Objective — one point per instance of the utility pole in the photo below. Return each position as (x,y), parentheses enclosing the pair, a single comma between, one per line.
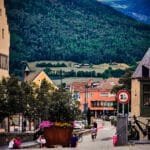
(61,78)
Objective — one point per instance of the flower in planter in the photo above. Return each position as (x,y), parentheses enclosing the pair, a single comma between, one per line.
(63,124)
(44,124)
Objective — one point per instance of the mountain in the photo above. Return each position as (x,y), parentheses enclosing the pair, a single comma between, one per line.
(79,30)
(138,9)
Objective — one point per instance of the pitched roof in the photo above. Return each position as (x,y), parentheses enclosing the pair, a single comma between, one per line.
(108,84)
(145,62)
(32,75)
(101,85)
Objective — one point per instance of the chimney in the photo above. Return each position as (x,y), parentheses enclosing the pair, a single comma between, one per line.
(26,71)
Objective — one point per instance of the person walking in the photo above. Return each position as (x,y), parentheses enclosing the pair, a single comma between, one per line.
(93,133)
(11,143)
(74,140)
(17,143)
(42,141)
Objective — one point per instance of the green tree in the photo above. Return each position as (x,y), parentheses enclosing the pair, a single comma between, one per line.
(3,100)
(124,81)
(43,99)
(62,108)
(13,95)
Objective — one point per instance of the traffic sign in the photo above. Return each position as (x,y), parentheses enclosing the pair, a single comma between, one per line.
(123,96)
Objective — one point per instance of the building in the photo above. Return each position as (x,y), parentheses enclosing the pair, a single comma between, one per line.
(37,77)
(140,104)
(96,96)
(4,42)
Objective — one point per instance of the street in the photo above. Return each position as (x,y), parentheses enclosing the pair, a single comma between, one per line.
(104,140)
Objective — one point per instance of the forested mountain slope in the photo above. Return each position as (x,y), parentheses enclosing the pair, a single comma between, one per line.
(77,30)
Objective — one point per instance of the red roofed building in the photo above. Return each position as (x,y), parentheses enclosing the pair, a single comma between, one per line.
(96,96)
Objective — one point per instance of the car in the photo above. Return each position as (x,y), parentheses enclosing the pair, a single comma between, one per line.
(105,117)
(78,125)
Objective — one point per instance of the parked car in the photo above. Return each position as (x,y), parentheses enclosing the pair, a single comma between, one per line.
(78,125)
(105,117)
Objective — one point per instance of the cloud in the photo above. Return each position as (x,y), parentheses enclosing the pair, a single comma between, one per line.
(119,6)
(140,16)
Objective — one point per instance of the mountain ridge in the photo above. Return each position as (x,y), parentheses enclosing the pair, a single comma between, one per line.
(81,31)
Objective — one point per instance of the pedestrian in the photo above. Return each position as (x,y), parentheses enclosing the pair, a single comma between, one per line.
(95,126)
(93,132)
(11,143)
(17,143)
(42,141)
(74,140)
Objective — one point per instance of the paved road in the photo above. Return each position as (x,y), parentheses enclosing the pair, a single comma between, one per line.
(104,141)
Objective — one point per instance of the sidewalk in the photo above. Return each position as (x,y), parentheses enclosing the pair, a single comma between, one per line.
(24,145)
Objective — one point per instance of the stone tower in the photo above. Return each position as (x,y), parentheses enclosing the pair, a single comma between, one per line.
(4,42)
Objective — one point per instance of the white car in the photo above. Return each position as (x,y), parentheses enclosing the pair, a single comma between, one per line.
(78,125)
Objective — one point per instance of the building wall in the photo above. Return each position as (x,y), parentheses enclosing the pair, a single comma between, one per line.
(41,77)
(96,95)
(4,42)
(135,97)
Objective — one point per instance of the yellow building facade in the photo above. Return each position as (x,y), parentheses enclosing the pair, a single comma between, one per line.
(37,78)
(4,42)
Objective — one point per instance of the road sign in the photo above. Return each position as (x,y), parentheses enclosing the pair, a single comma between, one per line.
(123,96)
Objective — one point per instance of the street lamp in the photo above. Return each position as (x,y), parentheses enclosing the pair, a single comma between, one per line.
(85,101)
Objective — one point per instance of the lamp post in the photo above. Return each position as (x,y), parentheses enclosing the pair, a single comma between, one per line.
(85,101)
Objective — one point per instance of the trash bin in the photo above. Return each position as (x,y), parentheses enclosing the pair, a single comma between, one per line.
(115,140)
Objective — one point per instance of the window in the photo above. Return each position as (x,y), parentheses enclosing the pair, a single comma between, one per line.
(146,95)
(0,12)
(3,62)
(2,33)
(104,94)
(94,104)
(102,104)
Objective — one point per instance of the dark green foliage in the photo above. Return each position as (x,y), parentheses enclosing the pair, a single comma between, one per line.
(112,73)
(36,103)
(51,65)
(43,99)
(29,104)
(77,30)
(106,74)
(125,81)
(62,108)
(3,100)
